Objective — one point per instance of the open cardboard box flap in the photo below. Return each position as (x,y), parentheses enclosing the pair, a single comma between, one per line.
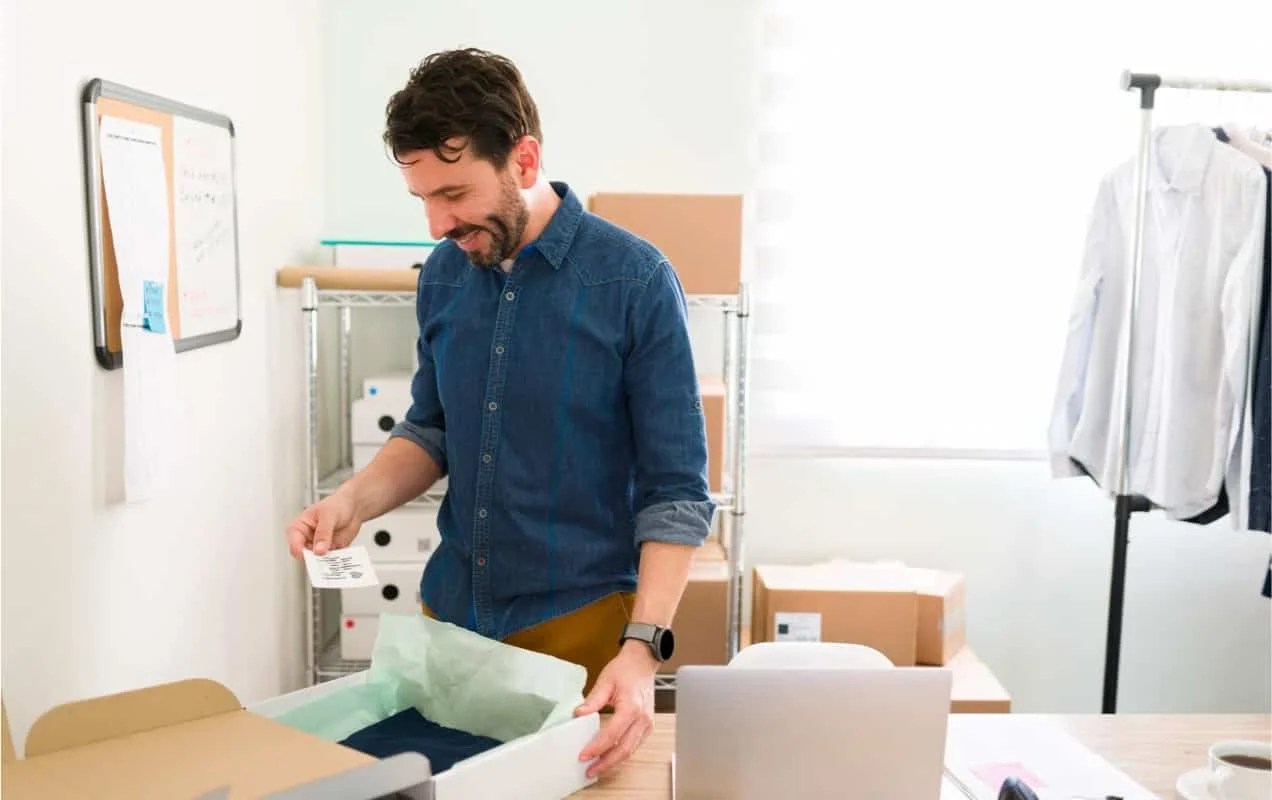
(175,740)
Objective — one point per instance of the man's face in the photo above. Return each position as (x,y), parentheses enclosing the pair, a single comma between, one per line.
(471,201)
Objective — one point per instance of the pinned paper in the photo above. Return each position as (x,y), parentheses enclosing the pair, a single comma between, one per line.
(137,201)
(345,568)
(153,300)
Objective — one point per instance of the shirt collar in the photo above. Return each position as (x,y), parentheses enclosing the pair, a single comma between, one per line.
(1182,154)
(558,234)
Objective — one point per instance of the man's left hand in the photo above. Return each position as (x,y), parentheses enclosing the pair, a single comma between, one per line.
(626,684)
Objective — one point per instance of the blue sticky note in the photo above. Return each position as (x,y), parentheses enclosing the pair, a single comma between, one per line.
(152,306)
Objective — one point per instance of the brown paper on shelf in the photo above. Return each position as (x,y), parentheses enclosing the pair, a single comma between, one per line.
(351,278)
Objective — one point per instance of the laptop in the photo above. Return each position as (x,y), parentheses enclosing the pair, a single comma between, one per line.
(752,732)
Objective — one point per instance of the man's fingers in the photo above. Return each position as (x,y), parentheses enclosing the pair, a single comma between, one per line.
(608,736)
(299,532)
(595,701)
(625,746)
(322,535)
(295,541)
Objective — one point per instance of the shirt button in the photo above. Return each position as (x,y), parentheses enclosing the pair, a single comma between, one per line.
(510,296)
(486,458)
(481,562)
(481,512)
(499,349)
(492,406)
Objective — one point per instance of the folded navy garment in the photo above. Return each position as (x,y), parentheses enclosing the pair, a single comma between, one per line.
(410,731)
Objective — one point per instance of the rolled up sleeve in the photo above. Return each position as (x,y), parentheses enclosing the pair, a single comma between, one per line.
(672,500)
(425,422)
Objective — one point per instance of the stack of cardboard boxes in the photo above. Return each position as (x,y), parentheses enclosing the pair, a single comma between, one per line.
(701,236)
(914,616)
(701,635)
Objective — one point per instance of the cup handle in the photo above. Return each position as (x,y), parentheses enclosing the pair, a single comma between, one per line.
(1213,779)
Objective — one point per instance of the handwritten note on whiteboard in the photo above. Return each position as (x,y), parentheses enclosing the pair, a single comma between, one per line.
(134,178)
(204,216)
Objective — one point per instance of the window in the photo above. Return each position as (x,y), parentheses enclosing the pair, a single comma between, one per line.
(924,172)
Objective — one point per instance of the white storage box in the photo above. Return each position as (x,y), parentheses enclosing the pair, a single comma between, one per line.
(373,418)
(357,636)
(398,592)
(404,534)
(363,454)
(395,387)
(539,758)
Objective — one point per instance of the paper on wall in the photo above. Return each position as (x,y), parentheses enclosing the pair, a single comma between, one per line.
(135,182)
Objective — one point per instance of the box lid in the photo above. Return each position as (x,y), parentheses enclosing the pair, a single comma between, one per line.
(935,582)
(837,577)
(180,739)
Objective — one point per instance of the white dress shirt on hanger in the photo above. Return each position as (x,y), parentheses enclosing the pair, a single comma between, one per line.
(1198,290)
(1253,142)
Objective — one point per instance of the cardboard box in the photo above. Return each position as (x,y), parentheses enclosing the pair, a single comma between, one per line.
(701,234)
(193,738)
(864,604)
(181,739)
(714,409)
(942,628)
(711,550)
(976,690)
(702,616)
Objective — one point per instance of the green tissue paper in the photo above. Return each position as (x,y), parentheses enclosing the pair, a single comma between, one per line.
(452,676)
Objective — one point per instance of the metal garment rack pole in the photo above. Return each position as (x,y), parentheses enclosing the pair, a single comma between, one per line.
(1126,503)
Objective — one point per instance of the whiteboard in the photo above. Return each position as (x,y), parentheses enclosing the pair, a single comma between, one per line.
(202,292)
(203,219)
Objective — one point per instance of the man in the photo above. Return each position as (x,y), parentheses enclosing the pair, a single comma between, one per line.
(556,389)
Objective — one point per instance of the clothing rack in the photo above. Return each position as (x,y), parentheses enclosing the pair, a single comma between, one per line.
(1127,504)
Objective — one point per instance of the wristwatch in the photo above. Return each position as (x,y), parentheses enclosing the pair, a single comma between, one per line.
(661,641)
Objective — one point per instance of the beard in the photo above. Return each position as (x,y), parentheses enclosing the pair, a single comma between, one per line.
(505,226)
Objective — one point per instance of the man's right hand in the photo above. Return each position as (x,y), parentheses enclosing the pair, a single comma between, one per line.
(327,525)
(400,471)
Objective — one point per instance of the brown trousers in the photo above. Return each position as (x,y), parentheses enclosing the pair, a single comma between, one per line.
(587,637)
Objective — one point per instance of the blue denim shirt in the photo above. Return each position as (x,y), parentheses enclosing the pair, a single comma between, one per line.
(561,401)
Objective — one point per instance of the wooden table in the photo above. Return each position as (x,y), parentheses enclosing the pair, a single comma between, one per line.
(1153,749)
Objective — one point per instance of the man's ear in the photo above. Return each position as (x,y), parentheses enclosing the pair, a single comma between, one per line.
(527,159)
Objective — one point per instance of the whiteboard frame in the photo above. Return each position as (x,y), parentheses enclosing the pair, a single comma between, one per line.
(94,90)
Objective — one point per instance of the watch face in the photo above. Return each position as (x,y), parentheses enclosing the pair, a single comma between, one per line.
(666,644)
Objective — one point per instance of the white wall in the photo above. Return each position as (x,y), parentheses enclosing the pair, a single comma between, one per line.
(98,596)
(657,96)
(618,110)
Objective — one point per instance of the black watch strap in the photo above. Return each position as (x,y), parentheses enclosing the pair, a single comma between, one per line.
(660,641)
(644,631)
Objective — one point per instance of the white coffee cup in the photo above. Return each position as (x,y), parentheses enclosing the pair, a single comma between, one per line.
(1233,781)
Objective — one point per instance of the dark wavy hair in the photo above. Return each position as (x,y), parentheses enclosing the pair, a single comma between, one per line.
(470,94)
